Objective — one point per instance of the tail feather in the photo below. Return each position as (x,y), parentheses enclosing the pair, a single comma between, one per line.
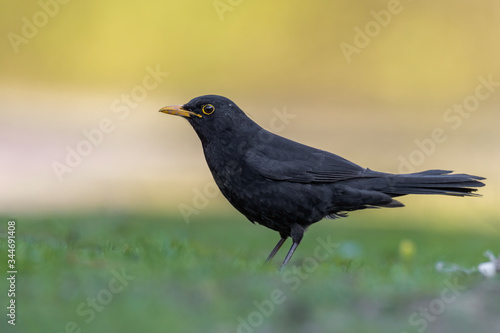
(434,182)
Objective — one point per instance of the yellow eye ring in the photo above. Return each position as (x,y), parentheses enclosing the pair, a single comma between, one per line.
(208,109)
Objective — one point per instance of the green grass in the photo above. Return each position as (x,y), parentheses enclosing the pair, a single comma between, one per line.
(208,276)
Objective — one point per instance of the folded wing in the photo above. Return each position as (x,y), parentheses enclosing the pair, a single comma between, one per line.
(286,160)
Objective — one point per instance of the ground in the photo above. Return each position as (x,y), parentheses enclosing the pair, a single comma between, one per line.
(118,272)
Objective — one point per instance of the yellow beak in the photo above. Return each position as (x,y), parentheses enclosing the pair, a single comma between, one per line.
(178,110)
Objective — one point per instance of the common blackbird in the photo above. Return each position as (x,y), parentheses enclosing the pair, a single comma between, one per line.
(287,186)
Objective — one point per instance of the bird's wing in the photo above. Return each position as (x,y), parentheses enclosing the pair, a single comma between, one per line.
(287,160)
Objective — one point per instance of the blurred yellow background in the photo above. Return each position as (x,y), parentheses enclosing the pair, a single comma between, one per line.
(370,81)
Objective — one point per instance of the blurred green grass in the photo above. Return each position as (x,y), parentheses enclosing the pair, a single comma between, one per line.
(208,276)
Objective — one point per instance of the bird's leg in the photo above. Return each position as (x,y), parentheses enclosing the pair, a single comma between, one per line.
(297,232)
(276,248)
(289,254)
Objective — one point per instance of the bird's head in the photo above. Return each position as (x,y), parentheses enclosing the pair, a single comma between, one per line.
(211,116)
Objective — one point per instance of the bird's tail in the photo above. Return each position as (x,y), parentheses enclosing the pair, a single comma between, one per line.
(433,182)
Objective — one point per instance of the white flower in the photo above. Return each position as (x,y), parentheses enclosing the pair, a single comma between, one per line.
(488,269)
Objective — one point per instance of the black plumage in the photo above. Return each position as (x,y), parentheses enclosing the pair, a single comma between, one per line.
(287,186)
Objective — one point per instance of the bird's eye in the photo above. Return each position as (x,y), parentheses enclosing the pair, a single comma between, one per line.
(208,109)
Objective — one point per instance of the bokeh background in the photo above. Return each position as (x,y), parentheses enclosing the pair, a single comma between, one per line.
(369,80)
(66,67)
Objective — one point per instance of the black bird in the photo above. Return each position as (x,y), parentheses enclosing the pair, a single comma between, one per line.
(287,186)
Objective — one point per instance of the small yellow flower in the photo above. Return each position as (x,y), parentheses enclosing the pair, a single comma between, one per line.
(407,249)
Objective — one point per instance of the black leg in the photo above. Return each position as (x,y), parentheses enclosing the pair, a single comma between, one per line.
(276,248)
(289,254)
(297,232)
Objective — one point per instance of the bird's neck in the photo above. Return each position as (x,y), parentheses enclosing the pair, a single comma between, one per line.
(224,151)
(229,137)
